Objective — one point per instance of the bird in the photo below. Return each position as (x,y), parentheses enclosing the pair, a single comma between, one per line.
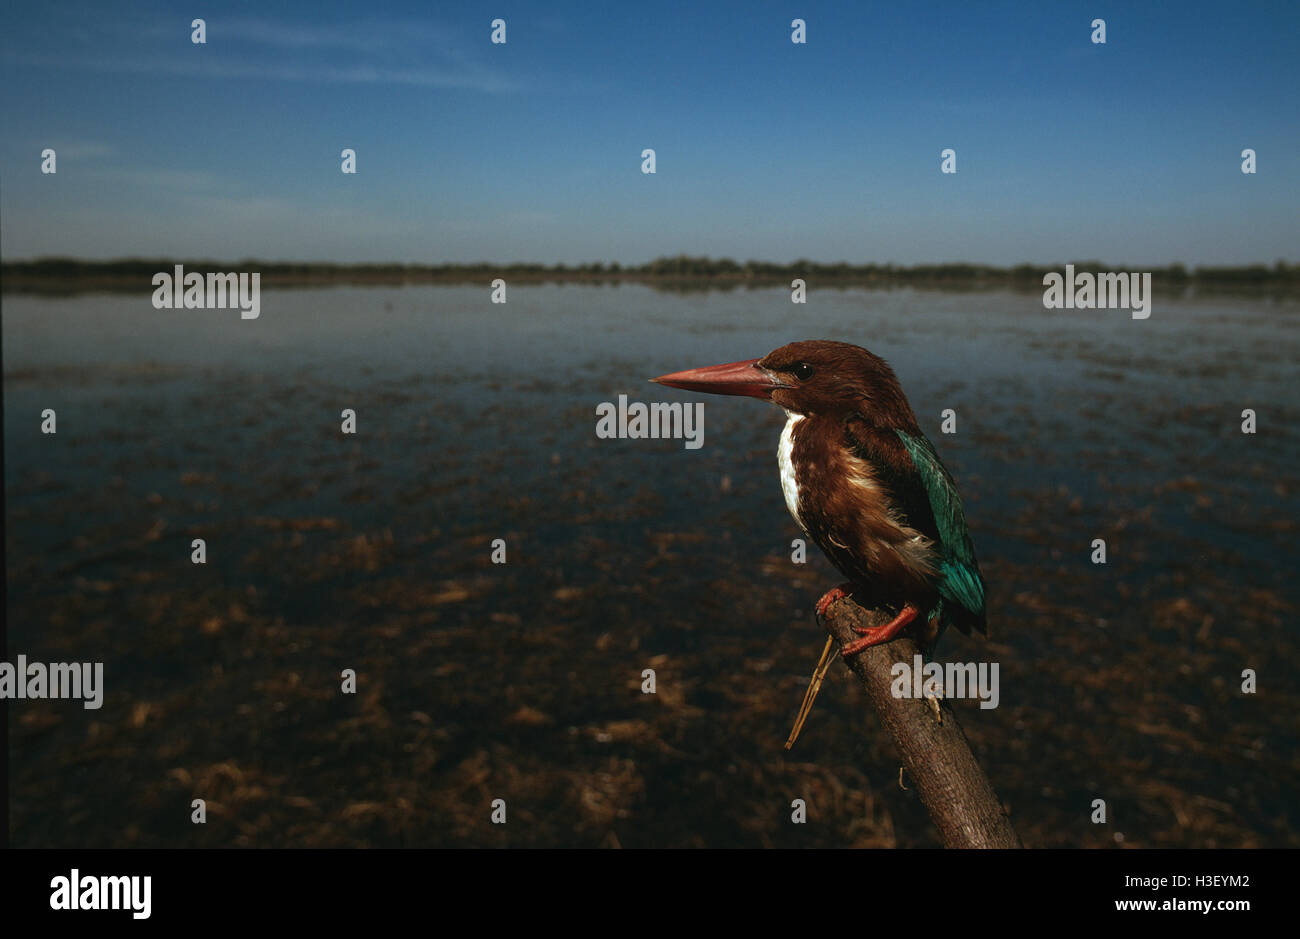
(865,483)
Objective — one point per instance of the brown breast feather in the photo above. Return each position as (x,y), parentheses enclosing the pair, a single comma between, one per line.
(851,516)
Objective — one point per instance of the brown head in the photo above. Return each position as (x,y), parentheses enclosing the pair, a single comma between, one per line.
(812,377)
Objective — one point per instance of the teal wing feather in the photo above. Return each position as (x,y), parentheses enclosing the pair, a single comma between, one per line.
(959,579)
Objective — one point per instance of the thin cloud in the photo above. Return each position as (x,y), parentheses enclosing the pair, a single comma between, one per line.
(369,37)
(163,178)
(85,150)
(471,79)
(359,37)
(405,53)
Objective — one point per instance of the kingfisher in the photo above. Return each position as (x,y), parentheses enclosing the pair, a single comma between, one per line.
(864,482)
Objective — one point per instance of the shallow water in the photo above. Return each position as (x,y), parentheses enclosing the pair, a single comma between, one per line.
(476,421)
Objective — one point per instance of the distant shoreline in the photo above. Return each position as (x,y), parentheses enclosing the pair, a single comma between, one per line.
(71,276)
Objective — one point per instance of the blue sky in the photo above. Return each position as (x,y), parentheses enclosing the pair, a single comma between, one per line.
(1127,152)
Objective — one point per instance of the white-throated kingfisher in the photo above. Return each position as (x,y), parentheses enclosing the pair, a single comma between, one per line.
(863,481)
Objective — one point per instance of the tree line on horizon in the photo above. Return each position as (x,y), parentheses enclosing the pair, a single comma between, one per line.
(52,271)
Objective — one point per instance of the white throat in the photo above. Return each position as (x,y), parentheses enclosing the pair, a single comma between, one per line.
(785,459)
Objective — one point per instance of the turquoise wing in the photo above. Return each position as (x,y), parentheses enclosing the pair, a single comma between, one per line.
(959,578)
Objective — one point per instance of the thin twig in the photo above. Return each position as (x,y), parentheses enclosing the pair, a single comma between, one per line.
(814,686)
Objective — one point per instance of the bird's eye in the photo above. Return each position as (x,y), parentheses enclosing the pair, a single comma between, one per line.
(802,371)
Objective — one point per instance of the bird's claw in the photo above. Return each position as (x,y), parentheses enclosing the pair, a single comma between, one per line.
(875,635)
(830,596)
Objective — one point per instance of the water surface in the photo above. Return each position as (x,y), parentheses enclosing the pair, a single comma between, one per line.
(521,681)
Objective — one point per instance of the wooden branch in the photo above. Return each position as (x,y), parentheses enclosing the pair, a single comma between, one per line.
(936,756)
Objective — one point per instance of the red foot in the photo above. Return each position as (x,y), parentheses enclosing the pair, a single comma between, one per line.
(878,634)
(830,596)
